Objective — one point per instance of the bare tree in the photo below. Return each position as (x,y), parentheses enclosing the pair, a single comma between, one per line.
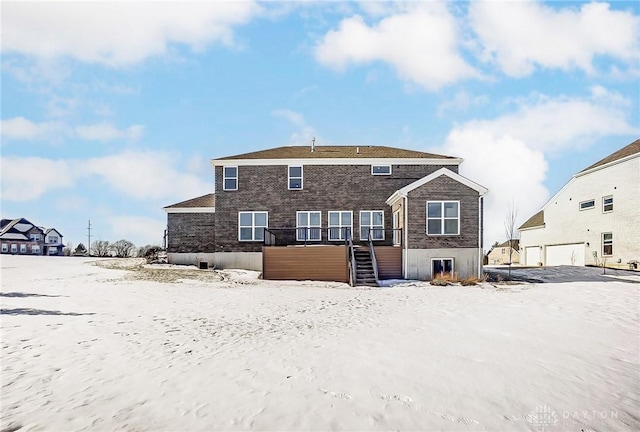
(511,231)
(122,248)
(68,249)
(101,248)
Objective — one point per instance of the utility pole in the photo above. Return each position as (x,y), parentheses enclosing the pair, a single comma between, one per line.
(89,238)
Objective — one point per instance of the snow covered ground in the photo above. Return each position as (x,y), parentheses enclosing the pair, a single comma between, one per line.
(86,347)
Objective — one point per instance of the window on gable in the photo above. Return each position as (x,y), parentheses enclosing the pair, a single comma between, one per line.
(372,223)
(251,225)
(607,244)
(230,178)
(443,218)
(340,225)
(381,169)
(308,225)
(35,237)
(586,205)
(607,204)
(295,177)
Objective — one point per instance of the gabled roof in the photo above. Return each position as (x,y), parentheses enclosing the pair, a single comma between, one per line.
(631,149)
(426,179)
(537,220)
(16,225)
(515,244)
(333,152)
(202,204)
(53,229)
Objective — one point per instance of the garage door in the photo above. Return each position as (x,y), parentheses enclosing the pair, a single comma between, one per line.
(569,254)
(532,255)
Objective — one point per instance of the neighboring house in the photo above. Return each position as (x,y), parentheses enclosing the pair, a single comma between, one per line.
(412,208)
(21,237)
(505,253)
(593,219)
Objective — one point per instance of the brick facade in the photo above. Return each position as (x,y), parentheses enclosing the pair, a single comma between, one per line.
(191,232)
(443,188)
(326,188)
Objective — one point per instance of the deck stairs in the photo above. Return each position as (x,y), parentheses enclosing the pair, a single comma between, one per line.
(365,275)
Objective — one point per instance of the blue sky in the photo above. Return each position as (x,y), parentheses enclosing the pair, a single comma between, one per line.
(111,111)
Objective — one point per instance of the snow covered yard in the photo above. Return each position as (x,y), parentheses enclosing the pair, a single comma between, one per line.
(86,347)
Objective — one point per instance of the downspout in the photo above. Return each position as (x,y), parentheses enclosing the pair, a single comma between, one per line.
(405,234)
(480,231)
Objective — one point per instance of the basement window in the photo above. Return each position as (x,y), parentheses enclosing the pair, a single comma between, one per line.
(441,267)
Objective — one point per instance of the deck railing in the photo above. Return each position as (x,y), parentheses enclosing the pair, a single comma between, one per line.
(305,236)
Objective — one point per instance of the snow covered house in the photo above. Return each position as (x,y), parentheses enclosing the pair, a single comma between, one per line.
(593,220)
(21,237)
(505,253)
(369,212)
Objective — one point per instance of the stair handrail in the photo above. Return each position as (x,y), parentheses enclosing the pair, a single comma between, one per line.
(353,264)
(374,261)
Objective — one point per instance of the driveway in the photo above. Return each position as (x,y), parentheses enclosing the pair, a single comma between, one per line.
(562,274)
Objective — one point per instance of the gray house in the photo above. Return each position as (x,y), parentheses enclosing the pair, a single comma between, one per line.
(319,212)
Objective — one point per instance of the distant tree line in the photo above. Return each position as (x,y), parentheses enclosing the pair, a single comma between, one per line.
(119,249)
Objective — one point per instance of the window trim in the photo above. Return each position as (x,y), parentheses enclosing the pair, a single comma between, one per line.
(23,248)
(442,218)
(329,226)
(592,206)
(14,248)
(453,265)
(225,178)
(5,247)
(301,177)
(35,249)
(609,243)
(371,225)
(253,225)
(319,227)
(604,198)
(381,173)
(34,237)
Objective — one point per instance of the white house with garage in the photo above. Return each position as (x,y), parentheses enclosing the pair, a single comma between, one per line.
(593,220)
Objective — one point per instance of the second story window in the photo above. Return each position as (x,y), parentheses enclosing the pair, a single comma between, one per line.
(381,169)
(443,217)
(607,204)
(295,177)
(585,205)
(35,237)
(230,178)
(53,239)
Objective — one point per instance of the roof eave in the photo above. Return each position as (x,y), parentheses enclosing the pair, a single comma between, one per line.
(336,161)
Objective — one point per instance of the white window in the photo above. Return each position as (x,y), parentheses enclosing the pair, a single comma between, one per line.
(397,240)
(381,169)
(372,223)
(14,248)
(443,217)
(607,204)
(53,251)
(295,177)
(53,239)
(340,225)
(308,225)
(35,249)
(5,247)
(251,225)
(23,248)
(586,205)
(230,178)
(607,244)
(441,266)
(34,237)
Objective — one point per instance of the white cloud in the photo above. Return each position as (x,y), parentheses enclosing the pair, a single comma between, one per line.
(555,124)
(304,133)
(520,36)
(493,161)
(461,101)
(146,175)
(117,33)
(105,132)
(20,128)
(137,229)
(419,42)
(28,178)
